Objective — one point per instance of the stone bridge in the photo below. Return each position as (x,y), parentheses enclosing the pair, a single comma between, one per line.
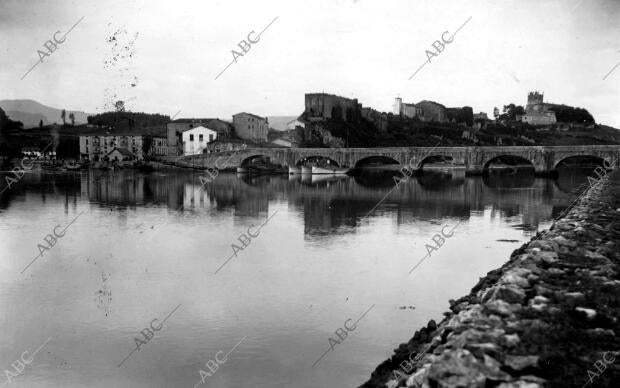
(544,159)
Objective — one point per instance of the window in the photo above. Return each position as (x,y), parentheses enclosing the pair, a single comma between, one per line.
(86,141)
(210,137)
(191,137)
(200,137)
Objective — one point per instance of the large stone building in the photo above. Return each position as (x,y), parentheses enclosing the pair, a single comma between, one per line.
(424,110)
(98,147)
(323,106)
(432,111)
(538,112)
(251,127)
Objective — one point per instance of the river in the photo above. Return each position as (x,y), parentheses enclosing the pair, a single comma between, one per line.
(332,259)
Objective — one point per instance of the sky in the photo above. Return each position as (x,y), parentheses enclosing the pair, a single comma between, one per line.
(162,57)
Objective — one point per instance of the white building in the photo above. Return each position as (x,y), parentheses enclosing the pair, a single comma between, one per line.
(195,140)
(406,110)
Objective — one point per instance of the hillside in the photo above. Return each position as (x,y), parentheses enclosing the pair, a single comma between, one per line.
(411,133)
(30,112)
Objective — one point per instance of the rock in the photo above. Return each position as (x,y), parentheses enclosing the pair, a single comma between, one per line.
(541,290)
(482,349)
(563,241)
(513,278)
(458,368)
(590,314)
(470,313)
(519,384)
(556,271)
(575,296)
(548,257)
(417,379)
(510,294)
(511,340)
(519,363)
(391,384)
(600,332)
(539,303)
(539,299)
(533,379)
(595,255)
(502,308)
(545,245)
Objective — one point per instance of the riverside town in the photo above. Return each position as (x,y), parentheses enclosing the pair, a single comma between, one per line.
(325,194)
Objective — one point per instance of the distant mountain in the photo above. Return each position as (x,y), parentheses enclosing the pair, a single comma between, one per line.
(279,122)
(31,112)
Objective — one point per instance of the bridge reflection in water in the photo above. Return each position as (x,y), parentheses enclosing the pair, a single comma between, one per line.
(328,203)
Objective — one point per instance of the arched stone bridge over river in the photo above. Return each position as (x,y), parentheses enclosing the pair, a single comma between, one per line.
(544,159)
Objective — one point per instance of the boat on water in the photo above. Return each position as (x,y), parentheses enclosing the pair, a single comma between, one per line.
(306,170)
(294,170)
(242,170)
(329,170)
(72,167)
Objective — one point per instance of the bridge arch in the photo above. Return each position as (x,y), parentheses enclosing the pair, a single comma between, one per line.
(246,160)
(382,160)
(508,159)
(435,158)
(601,161)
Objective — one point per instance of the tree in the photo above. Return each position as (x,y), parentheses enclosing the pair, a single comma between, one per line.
(63,116)
(119,106)
(40,123)
(147,143)
(72,118)
(495,113)
(511,110)
(569,114)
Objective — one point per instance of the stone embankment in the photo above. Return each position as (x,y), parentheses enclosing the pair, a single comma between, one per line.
(549,317)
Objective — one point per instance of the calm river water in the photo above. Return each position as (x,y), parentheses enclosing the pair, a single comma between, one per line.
(146,247)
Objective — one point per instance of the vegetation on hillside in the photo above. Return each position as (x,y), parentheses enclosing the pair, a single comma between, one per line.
(129,120)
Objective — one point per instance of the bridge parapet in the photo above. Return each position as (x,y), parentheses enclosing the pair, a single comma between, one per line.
(475,159)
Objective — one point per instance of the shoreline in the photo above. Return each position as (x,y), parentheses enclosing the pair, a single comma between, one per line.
(548,317)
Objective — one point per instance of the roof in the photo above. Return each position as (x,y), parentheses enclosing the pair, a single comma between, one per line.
(200,126)
(123,151)
(190,121)
(229,140)
(331,95)
(430,102)
(297,119)
(250,114)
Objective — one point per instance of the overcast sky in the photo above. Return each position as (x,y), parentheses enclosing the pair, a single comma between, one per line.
(172,52)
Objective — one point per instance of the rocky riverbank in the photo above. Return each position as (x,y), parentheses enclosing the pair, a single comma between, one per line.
(549,317)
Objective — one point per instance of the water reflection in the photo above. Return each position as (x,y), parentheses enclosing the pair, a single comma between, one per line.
(328,203)
(148,242)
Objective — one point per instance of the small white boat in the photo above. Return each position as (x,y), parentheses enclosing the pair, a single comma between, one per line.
(242,170)
(306,170)
(294,170)
(329,170)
